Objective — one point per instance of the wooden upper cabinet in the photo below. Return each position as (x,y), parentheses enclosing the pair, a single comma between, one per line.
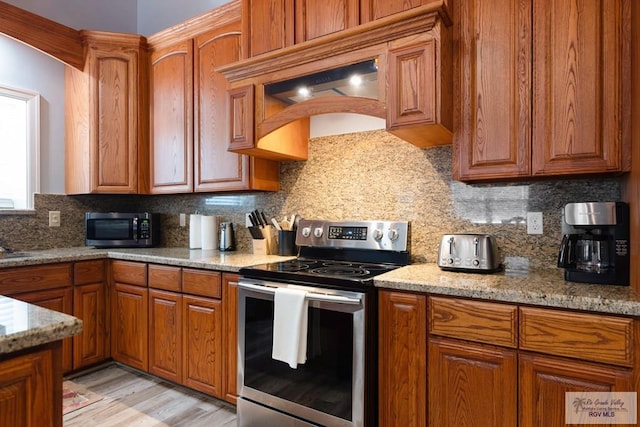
(105,116)
(542,89)
(315,19)
(189,122)
(581,74)
(171,153)
(419,90)
(267,24)
(215,167)
(492,84)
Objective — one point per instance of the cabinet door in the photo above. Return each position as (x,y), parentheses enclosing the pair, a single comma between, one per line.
(412,92)
(31,389)
(471,382)
(202,345)
(216,168)
(171,92)
(60,300)
(580,79)
(315,19)
(402,359)
(230,307)
(545,380)
(90,305)
(105,116)
(129,332)
(165,334)
(268,25)
(492,85)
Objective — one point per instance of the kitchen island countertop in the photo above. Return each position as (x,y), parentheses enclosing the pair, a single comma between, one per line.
(24,325)
(545,287)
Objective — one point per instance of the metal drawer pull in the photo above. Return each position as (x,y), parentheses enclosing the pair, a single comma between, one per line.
(312,296)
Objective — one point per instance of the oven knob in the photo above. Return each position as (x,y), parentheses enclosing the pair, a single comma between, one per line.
(306,231)
(318,232)
(393,234)
(377,234)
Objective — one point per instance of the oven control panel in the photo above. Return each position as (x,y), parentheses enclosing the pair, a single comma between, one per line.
(378,235)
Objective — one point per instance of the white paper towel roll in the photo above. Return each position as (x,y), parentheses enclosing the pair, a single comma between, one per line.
(195,231)
(209,232)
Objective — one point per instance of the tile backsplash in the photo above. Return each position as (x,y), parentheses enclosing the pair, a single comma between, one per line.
(367,175)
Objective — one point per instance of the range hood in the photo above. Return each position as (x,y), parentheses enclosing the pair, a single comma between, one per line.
(397,68)
(354,80)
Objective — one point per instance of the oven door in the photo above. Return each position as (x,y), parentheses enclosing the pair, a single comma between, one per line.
(329,388)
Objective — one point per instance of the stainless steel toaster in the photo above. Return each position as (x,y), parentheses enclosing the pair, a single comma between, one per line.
(469,252)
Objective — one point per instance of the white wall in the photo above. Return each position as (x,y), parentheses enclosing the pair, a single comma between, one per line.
(25,68)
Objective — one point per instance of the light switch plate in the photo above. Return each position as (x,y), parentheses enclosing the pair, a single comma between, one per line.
(54,218)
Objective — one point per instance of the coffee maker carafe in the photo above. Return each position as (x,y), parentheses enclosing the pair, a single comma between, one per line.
(595,244)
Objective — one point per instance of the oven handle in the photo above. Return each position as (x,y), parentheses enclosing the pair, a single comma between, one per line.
(312,296)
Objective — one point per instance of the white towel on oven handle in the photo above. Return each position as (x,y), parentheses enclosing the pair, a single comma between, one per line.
(290,318)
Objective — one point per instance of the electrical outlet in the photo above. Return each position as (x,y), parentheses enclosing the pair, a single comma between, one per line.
(534,222)
(54,218)
(183,220)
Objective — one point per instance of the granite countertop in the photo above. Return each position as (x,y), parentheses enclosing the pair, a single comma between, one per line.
(182,257)
(545,287)
(540,287)
(24,325)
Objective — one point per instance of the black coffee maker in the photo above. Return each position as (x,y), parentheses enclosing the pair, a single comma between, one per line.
(595,245)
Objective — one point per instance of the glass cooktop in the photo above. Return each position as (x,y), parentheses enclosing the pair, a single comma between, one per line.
(315,271)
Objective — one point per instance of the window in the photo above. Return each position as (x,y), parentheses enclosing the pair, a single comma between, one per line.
(19,148)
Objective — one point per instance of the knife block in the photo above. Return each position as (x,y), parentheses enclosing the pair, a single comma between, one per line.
(268,245)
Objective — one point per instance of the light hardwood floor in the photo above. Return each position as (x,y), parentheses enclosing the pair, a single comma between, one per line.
(132,398)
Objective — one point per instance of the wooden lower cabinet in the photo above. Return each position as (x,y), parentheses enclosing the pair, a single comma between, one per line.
(129,330)
(165,334)
(544,380)
(402,378)
(230,309)
(202,344)
(471,384)
(494,364)
(31,388)
(90,305)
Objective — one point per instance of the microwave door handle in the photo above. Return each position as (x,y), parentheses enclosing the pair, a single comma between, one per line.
(135,229)
(311,296)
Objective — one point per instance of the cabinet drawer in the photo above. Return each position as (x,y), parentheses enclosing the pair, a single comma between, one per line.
(132,273)
(478,321)
(34,278)
(592,337)
(86,272)
(202,282)
(165,277)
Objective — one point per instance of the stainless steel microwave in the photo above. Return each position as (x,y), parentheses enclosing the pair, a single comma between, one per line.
(122,230)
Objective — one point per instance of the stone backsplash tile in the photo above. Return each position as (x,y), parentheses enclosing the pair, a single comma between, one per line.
(368,175)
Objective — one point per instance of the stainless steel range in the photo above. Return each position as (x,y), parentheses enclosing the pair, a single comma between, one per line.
(328,375)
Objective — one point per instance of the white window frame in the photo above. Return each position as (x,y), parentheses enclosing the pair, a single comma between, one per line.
(33,140)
